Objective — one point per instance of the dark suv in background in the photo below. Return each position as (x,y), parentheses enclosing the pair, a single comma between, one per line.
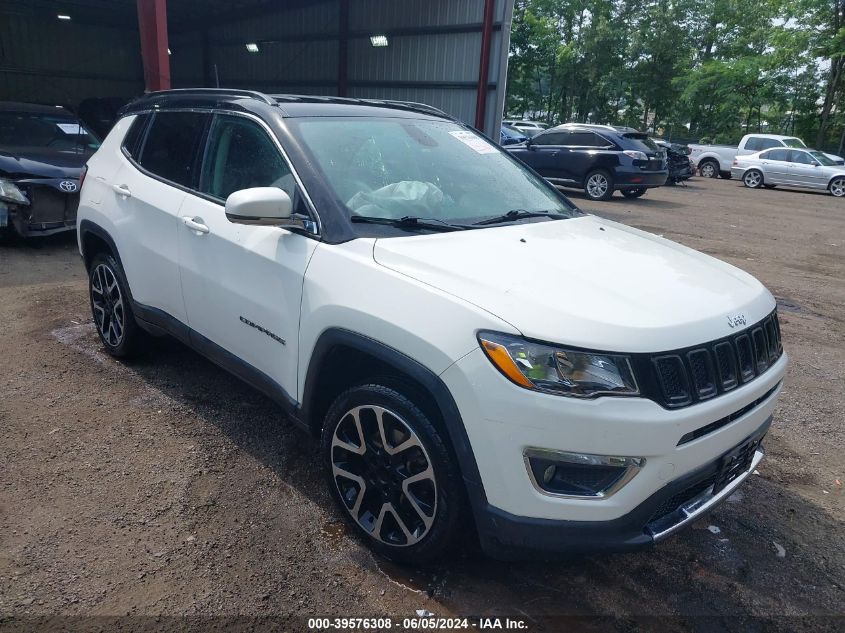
(596,158)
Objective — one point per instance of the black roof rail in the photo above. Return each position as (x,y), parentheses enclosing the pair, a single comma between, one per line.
(403,105)
(211,92)
(200,95)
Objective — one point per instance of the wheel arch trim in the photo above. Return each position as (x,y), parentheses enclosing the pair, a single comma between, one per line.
(333,338)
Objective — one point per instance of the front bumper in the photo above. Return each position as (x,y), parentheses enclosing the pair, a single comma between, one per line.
(503,421)
(51,208)
(677,504)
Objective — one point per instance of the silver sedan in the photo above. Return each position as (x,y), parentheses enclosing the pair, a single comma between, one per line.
(805,168)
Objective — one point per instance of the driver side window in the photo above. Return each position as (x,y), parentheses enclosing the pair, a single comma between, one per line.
(241,155)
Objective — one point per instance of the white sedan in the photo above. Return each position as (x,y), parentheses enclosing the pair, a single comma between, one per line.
(805,168)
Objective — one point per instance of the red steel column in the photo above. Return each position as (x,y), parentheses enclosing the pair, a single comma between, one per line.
(484,69)
(152,23)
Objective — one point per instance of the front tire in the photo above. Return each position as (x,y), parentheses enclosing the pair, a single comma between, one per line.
(111,307)
(391,474)
(709,169)
(753,179)
(837,187)
(634,193)
(598,185)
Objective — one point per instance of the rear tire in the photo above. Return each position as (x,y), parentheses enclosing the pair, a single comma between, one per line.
(111,307)
(753,179)
(708,169)
(634,193)
(369,471)
(837,187)
(598,185)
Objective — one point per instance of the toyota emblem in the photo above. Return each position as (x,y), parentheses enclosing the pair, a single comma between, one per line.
(68,186)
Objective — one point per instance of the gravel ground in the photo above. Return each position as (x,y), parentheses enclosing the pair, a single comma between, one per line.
(165,487)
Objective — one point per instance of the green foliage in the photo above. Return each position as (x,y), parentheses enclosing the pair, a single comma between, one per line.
(684,68)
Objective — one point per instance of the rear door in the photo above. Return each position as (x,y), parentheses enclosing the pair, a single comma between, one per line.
(146,192)
(775,166)
(578,156)
(242,285)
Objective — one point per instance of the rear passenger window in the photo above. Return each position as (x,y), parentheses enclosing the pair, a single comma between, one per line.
(766,143)
(241,155)
(584,139)
(170,149)
(754,144)
(776,154)
(132,140)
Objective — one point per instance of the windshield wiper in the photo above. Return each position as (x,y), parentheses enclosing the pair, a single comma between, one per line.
(412,221)
(519,214)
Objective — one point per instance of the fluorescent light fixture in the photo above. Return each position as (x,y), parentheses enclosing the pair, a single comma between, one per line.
(252,47)
(379,41)
(63,16)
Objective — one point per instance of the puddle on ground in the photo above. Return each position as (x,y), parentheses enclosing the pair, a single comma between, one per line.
(790,306)
(334,532)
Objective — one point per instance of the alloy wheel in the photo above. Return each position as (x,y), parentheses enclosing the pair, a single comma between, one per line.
(597,185)
(753,179)
(708,170)
(384,475)
(837,187)
(109,310)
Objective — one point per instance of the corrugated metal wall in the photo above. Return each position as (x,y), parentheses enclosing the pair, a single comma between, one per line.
(50,61)
(433,55)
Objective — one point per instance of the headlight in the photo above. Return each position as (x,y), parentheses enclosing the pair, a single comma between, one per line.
(566,372)
(9,192)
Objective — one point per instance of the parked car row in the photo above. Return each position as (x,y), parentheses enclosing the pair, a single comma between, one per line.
(803,168)
(713,161)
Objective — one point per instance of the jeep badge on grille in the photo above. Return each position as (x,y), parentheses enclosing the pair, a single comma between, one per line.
(736,320)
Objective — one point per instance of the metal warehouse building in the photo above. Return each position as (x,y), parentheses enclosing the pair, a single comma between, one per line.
(451,54)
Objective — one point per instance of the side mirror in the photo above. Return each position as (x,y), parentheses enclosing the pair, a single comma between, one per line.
(261,206)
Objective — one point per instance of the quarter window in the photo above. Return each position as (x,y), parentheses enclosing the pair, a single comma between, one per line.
(170,149)
(241,155)
(132,140)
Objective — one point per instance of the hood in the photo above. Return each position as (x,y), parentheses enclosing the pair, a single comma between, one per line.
(37,162)
(585,282)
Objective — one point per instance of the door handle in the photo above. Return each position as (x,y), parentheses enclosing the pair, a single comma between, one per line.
(195,224)
(122,190)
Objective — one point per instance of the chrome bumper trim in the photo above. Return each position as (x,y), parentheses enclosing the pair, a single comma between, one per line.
(694,508)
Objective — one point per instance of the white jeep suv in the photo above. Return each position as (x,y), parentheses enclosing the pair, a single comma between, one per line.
(474,352)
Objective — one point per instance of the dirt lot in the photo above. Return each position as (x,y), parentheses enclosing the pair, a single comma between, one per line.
(166,487)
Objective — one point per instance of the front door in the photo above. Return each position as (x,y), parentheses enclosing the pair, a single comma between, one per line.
(804,170)
(243,284)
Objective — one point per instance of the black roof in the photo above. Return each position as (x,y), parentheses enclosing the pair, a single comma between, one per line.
(288,105)
(35,108)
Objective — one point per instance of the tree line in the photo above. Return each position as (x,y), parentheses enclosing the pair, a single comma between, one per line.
(686,69)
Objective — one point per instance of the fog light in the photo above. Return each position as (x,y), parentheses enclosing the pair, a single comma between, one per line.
(579,475)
